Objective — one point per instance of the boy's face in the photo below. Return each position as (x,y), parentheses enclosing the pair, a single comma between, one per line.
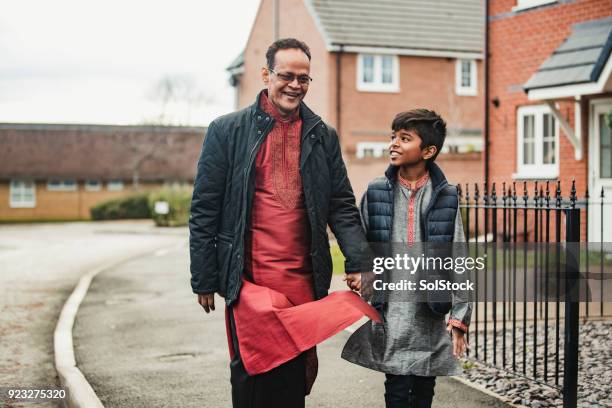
(405,148)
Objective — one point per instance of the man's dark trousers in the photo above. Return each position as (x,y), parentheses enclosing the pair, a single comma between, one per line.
(281,387)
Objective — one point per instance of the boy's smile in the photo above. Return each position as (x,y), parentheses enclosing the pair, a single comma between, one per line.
(405,148)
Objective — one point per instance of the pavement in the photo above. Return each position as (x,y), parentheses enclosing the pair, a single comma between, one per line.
(141,340)
(40,264)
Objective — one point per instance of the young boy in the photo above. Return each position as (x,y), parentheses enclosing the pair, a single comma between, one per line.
(412,203)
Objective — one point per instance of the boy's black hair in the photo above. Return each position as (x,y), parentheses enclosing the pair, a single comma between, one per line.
(285,44)
(430,127)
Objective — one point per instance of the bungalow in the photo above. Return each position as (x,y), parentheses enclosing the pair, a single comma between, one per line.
(58,172)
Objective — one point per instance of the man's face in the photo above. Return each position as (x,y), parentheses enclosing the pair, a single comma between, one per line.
(405,148)
(287,95)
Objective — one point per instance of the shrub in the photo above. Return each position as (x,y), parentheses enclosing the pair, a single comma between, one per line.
(131,207)
(179,201)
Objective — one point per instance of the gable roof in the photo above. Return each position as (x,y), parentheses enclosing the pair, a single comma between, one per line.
(98,152)
(579,59)
(427,25)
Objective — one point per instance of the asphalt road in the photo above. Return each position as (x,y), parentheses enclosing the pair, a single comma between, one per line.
(40,264)
(142,341)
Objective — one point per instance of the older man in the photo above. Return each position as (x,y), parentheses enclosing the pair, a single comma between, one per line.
(270,179)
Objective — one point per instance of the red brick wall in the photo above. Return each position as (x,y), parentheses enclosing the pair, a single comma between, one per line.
(424,83)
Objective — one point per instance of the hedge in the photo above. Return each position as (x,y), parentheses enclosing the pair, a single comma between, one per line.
(131,207)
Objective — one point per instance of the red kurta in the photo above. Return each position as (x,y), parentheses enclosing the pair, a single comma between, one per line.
(276,316)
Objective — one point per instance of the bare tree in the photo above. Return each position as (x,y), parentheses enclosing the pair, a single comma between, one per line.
(178,93)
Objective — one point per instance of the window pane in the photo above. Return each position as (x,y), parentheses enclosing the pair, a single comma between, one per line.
(605,148)
(548,139)
(387,69)
(466,74)
(549,153)
(528,139)
(368,68)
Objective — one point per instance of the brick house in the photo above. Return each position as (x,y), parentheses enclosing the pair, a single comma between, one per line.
(58,172)
(372,59)
(550,95)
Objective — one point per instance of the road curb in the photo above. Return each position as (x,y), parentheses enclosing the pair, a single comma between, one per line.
(485,390)
(79,393)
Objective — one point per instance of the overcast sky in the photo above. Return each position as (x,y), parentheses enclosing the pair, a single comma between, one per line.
(97,61)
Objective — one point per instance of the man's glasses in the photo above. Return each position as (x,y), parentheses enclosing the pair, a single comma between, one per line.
(290,77)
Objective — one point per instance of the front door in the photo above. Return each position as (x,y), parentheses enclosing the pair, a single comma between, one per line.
(600,171)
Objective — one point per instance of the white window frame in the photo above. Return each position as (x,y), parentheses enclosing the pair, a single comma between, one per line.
(62,185)
(378,148)
(471,90)
(538,170)
(17,189)
(527,4)
(114,185)
(93,185)
(378,85)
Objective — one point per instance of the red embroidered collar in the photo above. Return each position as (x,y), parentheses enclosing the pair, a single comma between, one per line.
(419,183)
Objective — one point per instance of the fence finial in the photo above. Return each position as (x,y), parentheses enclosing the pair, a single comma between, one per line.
(514,192)
(504,196)
(525,196)
(558,194)
(494,194)
(476,193)
(535,193)
(602,193)
(547,193)
(467,193)
(573,194)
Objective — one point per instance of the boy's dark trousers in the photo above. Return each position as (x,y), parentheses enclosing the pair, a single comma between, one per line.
(281,387)
(409,391)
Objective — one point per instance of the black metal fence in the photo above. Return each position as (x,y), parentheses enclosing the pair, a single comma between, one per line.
(535,337)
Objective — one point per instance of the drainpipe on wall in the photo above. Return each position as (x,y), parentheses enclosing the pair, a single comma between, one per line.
(486,93)
(339,89)
(275,18)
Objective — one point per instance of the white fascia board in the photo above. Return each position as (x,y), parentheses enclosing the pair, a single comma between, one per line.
(406,51)
(571,91)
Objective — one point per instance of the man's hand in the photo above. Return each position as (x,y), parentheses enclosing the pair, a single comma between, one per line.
(459,343)
(353,281)
(207,302)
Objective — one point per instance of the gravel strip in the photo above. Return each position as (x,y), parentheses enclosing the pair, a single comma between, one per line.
(594,376)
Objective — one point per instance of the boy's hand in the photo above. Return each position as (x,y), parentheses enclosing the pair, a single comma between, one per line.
(353,281)
(459,343)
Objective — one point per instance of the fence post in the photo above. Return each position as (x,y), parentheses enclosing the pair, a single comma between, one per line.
(572,305)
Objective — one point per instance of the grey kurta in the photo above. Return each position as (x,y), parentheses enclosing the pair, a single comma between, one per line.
(411,340)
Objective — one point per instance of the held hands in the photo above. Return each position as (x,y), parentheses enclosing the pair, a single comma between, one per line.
(207,302)
(361,282)
(353,281)
(459,342)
